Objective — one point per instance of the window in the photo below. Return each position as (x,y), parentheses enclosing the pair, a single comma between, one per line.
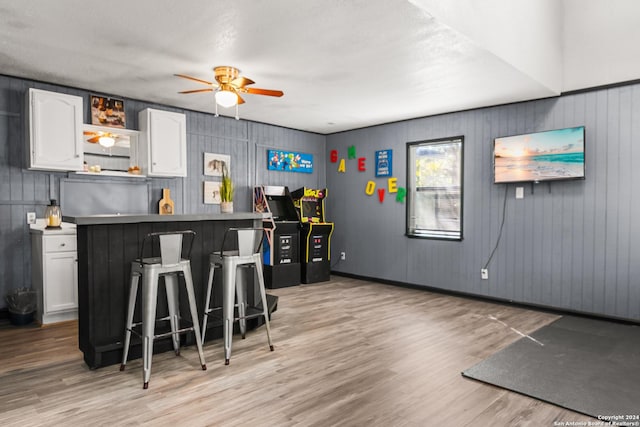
(434,188)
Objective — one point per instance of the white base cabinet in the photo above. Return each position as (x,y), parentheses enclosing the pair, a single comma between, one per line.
(162,146)
(54,131)
(55,273)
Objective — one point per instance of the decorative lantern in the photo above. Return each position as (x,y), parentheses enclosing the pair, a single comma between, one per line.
(53,215)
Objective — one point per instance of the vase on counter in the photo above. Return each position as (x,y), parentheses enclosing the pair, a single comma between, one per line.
(226,207)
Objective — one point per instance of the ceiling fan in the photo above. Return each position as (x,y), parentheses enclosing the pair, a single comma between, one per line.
(229,86)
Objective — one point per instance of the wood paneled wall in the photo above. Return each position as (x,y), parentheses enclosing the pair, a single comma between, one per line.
(23,190)
(570,245)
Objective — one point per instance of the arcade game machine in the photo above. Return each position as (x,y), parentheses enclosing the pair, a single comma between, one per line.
(281,254)
(315,234)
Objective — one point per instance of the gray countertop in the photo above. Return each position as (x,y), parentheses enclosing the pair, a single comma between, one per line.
(40,227)
(136,218)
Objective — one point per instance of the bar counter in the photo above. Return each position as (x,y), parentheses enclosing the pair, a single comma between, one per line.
(136,219)
(107,244)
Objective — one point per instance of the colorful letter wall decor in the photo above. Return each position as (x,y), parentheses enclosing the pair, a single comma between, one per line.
(383,168)
(334,156)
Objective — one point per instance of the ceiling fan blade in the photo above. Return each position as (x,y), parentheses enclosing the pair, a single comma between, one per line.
(268,92)
(242,82)
(240,100)
(197,90)
(196,80)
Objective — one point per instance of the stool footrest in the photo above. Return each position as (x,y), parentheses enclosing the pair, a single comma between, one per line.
(211,310)
(217,318)
(168,334)
(250,313)
(165,334)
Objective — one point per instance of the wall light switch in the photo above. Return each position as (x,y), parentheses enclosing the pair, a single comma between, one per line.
(519,192)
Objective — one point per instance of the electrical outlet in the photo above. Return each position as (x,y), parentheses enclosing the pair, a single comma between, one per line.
(484,274)
(31,217)
(343,256)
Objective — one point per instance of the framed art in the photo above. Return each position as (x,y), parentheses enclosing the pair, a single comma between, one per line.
(384,163)
(289,161)
(215,164)
(107,112)
(212,192)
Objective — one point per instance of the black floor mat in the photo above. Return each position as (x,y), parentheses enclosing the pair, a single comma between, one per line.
(586,365)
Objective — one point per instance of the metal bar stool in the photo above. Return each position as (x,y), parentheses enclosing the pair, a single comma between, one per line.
(169,265)
(248,255)
(215,262)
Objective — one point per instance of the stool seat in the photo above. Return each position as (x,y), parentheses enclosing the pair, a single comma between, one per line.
(248,255)
(169,265)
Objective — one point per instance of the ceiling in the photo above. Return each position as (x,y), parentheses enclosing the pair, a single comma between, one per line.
(341,64)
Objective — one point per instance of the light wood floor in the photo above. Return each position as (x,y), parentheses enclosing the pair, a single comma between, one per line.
(347,353)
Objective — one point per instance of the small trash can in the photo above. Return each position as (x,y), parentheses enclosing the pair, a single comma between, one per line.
(22,303)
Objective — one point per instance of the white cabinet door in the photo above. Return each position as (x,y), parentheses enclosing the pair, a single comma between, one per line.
(61,290)
(54,274)
(55,131)
(163,149)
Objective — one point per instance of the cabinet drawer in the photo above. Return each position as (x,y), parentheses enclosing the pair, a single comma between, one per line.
(59,243)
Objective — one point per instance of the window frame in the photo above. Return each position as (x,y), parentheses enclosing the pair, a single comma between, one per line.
(411,191)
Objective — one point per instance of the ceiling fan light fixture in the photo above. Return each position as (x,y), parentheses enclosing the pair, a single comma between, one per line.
(106,141)
(226,98)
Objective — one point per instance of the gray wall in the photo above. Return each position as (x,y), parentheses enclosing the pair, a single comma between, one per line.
(569,245)
(22,190)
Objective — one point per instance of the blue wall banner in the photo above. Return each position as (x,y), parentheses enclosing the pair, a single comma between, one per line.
(384,163)
(288,161)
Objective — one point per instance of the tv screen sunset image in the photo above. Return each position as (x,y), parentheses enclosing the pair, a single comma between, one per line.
(541,156)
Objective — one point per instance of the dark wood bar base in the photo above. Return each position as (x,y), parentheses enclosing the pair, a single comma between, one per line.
(106,248)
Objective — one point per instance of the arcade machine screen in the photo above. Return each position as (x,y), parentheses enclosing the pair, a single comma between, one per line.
(312,209)
(278,209)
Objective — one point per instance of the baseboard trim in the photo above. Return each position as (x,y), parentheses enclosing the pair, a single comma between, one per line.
(539,307)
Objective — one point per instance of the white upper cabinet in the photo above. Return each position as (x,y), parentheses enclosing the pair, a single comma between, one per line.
(162,147)
(54,129)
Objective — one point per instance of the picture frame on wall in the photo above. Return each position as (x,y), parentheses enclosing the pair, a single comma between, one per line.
(215,164)
(212,193)
(289,161)
(384,163)
(107,112)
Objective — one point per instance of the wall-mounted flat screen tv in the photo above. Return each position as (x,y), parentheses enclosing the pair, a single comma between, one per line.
(541,156)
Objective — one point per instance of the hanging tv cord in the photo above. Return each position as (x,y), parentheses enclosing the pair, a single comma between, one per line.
(504,211)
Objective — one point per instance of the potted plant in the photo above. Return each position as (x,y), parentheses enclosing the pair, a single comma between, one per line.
(226,192)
